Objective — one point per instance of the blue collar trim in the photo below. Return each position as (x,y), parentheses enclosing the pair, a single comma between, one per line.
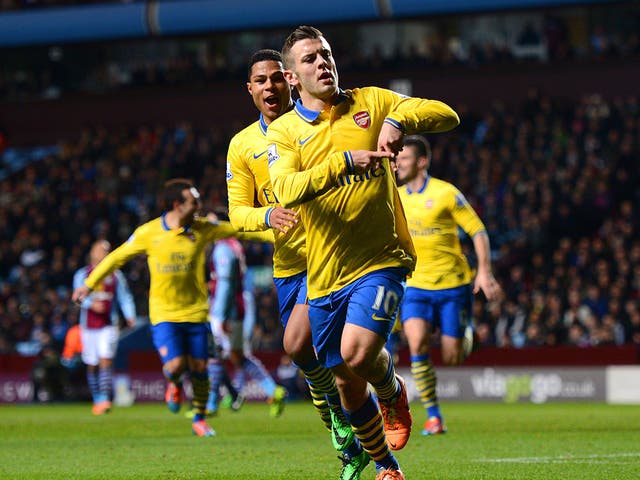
(309,115)
(422,188)
(263,125)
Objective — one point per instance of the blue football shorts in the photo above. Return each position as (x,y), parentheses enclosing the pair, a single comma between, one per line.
(449,309)
(177,339)
(291,291)
(370,302)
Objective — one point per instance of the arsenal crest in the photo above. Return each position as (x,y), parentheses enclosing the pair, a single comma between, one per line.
(362,119)
(429,203)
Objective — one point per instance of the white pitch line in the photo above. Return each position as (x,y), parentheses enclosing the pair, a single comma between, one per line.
(594,458)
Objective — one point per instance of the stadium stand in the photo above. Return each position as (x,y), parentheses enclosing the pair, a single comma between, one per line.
(555,184)
(553,176)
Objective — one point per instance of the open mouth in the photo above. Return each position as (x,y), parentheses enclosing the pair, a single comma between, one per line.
(326,76)
(272,101)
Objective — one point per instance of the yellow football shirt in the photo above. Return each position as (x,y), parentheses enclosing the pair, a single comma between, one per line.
(247,181)
(354,223)
(176,260)
(433,214)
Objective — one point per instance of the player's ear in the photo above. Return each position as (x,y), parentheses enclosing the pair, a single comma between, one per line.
(291,78)
(249,88)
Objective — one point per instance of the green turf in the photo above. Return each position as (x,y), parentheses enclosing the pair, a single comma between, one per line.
(484,442)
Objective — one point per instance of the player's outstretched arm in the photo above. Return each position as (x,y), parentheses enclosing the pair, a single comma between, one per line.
(485,280)
(80,294)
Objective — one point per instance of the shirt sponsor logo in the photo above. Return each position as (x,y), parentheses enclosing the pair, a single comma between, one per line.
(345,180)
(428,203)
(362,119)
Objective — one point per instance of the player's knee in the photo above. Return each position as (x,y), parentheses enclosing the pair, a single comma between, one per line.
(451,358)
(300,351)
(175,366)
(359,360)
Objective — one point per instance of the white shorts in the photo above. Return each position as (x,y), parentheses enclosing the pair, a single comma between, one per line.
(98,343)
(228,341)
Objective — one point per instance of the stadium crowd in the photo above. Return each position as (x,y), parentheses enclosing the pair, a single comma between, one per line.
(556,186)
(56,71)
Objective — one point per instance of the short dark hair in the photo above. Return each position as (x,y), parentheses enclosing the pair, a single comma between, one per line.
(261,56)
(173,191)
(301,33)
(420,144)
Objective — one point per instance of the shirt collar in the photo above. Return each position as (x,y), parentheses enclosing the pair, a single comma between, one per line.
(263,125)
(309,115)
(166,227)
(422,188)
(163,218)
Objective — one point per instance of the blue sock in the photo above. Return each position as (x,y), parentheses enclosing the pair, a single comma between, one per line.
(105,381)
(255,369)
(216,372)
(92,381)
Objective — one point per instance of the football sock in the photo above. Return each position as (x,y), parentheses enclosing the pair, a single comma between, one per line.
(355,448)
(105,382)
(369,429)
(425,378)
(171,377)
(322,385)
(200,384)
(216,372)
(388,388)
(92,382)
(239,378)
(255,369)
(226,381)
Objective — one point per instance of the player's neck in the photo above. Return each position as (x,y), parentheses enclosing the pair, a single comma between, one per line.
(173,220)
(417,182)
(316,104)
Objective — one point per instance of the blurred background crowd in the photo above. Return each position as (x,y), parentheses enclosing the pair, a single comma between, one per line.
(462,42)
(555,180)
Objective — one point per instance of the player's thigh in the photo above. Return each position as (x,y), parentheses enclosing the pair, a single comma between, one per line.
(169,340)
(455,315)
(297,335)
(454,311)
(418,333)
(326,316)
(236,335)
(291,291)
(89,339)
(197,340)
(418,317)
(107,342)
(374,300)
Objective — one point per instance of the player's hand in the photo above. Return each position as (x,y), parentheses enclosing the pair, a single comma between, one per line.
(131,322)
(390,139)
(364,160)
(79,294)
(283,219)
(486,282)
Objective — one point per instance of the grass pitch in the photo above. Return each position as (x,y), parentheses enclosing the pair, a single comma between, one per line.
(484,442)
